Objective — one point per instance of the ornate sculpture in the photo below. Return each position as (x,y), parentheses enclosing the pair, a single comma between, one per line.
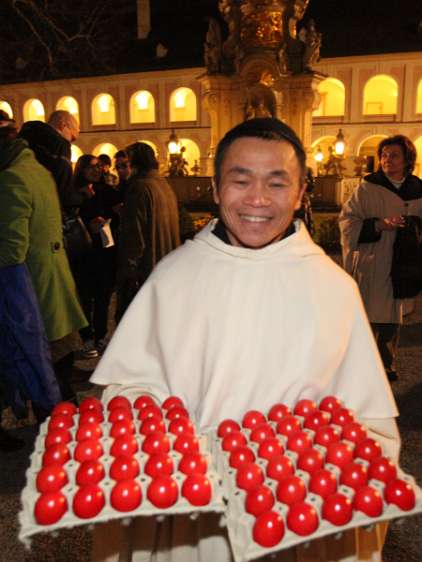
(230,10)
(312,41)
(212,47)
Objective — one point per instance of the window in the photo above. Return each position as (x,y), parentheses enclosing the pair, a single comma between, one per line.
(75,154)
(332,95)
(103,110)
(183,105)
(105,148)
(4,106)
(380,96)
(67,103)
(418,166)
(142,107)
(33,110)
(419,98)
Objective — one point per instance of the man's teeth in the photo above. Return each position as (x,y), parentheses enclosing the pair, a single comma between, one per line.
(252,218)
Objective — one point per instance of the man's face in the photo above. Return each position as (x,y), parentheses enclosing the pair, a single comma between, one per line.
(70,129)
(260,188)
(122,166)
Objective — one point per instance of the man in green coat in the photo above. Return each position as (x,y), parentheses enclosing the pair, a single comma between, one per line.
(31,233)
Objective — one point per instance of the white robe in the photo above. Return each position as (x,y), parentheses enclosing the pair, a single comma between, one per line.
(230,329)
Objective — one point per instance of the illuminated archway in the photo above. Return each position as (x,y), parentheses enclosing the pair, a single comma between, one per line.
(183,105)
(76,152)
(33,110)
(105,148)
(151,144)
(192,152)
(103,110)
(4,106)
(380,96)
(142,107)
(419,98)
(418,166)
(332,94)
(67,103)
(368,150)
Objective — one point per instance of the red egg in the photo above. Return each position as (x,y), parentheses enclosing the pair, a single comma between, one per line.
(124,446)
(177,412)
(126,496)
(302,519)
(252,418)
(119,413)
(121,428)
(323,482)
(304,407)
(383,469)
(261,432)
(299,441)
(88,450)
(400,493)
(89,430)
(342,416)
(91,416)
(186,444)
(316,419)
(119,402)
(193,463)
(181,426)
(248,476)
(259,500)
(88,501)
(326,435)
(50,508)
(288,425)
(197,489)
(90,403)
(368,449)
(337,509)
(330,403)
(354,475)
(60,421)
(171,402)
(156,443)
(240,456)
(354,432)
(158,465)
(143,401)
(226,427)
(310,461)
(152,411)
(268,529)
(368,500)
(291,490)
(339,453)
(51,478)
(65,408)
(57,437)
(152,425)
(278,411)
(270,448)
(163,492)
(233,440)
(90,472)
(124,468)
(279,467)
(56,454)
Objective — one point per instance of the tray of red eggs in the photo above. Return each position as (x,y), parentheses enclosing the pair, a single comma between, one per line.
(101,462)
(294,475)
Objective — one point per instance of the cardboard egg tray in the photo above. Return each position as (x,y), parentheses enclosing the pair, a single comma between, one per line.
(30,494)
(240,523)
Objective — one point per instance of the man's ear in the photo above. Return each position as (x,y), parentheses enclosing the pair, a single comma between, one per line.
(215,195)
(301,193)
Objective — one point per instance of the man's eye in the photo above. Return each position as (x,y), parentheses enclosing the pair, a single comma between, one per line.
(277,185)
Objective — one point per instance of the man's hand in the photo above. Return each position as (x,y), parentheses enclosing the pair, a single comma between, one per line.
(389,223)
(96,224)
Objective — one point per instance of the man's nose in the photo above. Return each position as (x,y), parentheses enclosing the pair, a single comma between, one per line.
(257,195)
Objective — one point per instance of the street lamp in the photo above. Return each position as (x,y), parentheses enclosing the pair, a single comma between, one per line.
(319,158)
(177,165)
(340,145)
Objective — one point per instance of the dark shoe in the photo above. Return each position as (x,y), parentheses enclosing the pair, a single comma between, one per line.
(8,443)
(392,376)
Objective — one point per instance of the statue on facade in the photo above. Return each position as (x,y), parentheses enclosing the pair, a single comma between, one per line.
(230,10)
(213,47)
(312,40)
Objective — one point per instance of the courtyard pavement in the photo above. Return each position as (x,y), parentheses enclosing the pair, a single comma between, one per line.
(404,540)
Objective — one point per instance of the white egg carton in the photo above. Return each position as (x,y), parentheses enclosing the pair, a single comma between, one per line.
(240,523)
(30,494)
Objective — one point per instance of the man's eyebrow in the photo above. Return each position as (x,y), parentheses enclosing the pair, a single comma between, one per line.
(239,170)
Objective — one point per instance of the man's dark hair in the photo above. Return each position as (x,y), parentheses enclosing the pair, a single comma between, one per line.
(120,154)
(266,128)
(142,157)
(407,146)
(105,159)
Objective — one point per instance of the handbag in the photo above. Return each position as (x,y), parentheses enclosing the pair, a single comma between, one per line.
(76,238)
(406,268)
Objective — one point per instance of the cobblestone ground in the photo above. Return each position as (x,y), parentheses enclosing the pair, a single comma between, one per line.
(404,540)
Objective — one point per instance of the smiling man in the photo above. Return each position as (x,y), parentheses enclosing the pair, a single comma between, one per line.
(249,313)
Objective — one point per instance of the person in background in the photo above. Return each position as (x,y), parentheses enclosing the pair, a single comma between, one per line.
(108,177)
(94,271)
(244,316)
(31,248)
(368,224)
(122,167)
(149,224)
